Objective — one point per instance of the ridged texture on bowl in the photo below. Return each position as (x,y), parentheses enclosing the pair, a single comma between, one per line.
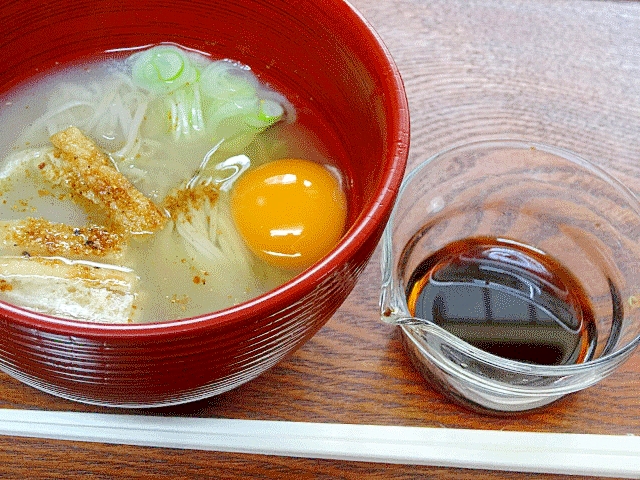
(167,369)
(329,63)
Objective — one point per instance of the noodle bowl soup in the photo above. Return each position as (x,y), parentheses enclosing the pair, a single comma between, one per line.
(163,185)
(326,61)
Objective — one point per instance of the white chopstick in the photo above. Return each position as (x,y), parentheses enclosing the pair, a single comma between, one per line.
(559,453)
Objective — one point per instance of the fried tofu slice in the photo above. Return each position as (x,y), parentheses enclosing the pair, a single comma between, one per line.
(40,237)
(79,165)
(72,142)
(96,293)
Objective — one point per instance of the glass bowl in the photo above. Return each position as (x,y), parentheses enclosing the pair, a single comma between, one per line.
(561,208)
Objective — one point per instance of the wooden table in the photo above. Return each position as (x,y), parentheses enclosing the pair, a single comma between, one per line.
(561,72)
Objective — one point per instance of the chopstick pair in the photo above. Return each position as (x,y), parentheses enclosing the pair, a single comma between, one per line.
(559,453)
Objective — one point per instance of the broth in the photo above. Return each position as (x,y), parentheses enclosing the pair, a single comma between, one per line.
(172,279)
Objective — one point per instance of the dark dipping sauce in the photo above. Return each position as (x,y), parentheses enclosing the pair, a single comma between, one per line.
(506,298)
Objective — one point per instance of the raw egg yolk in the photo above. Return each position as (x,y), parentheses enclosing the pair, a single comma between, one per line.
(291,212)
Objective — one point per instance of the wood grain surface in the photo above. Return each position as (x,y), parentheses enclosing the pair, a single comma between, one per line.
(565,73)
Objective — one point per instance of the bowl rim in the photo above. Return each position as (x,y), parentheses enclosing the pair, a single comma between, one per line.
(365,225)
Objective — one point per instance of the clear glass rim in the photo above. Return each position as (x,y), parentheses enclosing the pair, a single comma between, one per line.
(496,386)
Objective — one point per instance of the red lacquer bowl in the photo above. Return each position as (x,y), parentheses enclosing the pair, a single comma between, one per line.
(328,61)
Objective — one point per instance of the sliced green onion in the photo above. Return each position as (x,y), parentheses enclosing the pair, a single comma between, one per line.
(221,99)
(165,66)
(163,69)
(223,80)
(270,112)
